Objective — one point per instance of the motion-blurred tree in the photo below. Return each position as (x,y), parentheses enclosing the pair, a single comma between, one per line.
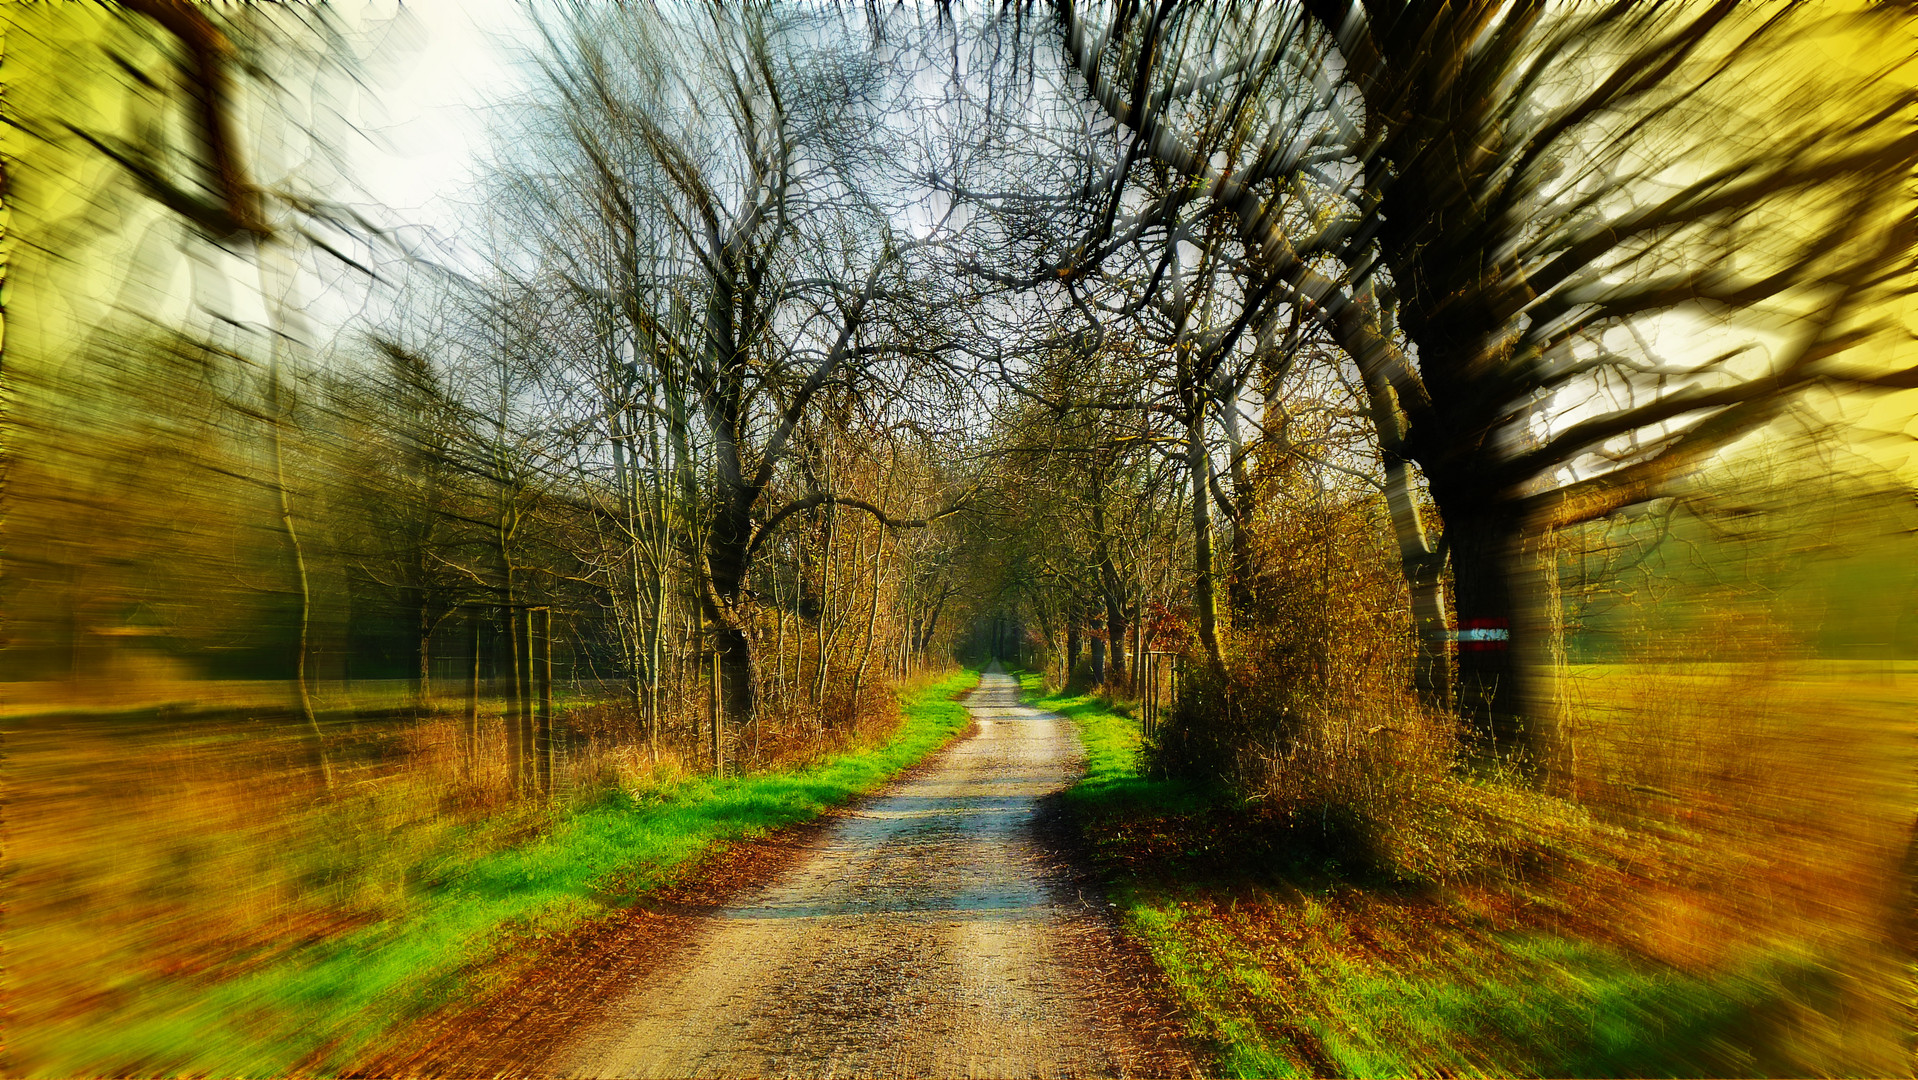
(1537,192)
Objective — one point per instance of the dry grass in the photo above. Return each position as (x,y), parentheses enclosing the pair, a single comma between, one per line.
(157,854)
(1764,808)
(1738,915)
(162,851)
(1731,840)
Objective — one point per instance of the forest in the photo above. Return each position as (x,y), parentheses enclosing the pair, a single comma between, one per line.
(1419,495)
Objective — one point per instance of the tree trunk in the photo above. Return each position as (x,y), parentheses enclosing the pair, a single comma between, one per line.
(515,710)
(1238,585)
(530,722)
(779,651)
(1111,589)
(1484,544)
(932,624)
(825,608)
(423,647)
(725,601)
(715,710)
(1116,638)
(1204,599)
(1365,332)
(737,700)
(322,764)
(872,619)
(541,631)
(1138,646)
(655,660)
(472,692)
(278,412)
(1423,567)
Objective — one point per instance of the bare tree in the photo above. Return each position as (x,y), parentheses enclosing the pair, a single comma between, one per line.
(777,287)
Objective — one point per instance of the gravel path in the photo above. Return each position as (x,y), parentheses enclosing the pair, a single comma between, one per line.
(926,934)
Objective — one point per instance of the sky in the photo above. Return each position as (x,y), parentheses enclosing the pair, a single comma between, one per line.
(438,68)
(403,130)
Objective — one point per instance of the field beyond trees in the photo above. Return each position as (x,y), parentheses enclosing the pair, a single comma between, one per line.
(1640,933)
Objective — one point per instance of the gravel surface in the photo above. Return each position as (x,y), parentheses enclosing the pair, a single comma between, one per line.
(928,933)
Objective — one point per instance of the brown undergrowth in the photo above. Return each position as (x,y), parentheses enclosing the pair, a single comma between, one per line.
(1712,879)
(1720,922)
(537,991)
(189,899)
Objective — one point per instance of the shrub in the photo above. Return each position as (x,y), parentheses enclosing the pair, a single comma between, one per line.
(1314,713)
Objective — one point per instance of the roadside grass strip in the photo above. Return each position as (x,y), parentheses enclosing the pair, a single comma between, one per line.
(1287,970)
(314,1008)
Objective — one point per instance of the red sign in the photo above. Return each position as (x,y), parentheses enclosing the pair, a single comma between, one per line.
(1482,635)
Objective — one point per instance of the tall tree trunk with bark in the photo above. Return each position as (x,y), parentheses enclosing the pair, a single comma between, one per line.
(1484,539)
(515,698)
(541,630)
(820,648)
(1204,598)
(1116,630)
(322,763)
(872,618)
(1238,514)
(724,597)
(472,692)
(1423,566)
(423,626)
(1112,586)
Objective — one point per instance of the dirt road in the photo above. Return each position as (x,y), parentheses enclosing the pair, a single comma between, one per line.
(926,934)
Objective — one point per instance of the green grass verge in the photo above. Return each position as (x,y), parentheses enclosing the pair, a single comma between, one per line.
(316,1008)
(1114,783)
(1282,974)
